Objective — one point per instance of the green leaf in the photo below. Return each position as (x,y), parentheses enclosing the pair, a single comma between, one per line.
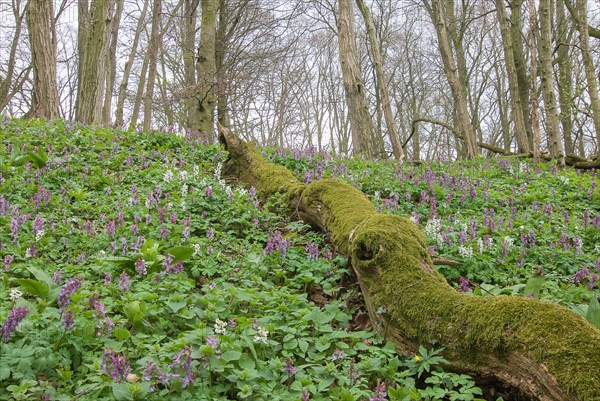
(34,287)
(231,355)
(176,306)
(41,276)
(180,252)
(593,312)
(121,334)
(121,392)
(246,362)
(534,286)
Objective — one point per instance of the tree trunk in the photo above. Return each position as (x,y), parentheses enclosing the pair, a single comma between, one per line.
(188,42)
(381,80)
(590,74)
(127,68)
(5,83)
(43,59)
(361,124)
(457,87)
(207,69)
(552,116)
(544,349)
(516,19)
(535,109)
(513,81)
(112,64)
(92,64)
(565,77)
(152,63)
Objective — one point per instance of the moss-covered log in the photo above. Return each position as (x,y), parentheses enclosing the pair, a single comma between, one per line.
(545,350)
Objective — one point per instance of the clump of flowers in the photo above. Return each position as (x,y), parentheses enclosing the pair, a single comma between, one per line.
(64,298)
(16,315)
(276,242)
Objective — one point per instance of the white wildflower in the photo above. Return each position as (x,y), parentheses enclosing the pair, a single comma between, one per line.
(196,249)
(28,253)
(433,227)
(39,235)
(168,177)
(465,252)
(196,170)
(220,326)
(184,190)
(377,194)
(508,242)
(218,170)
(261,336)
(15,294)
(413,218)
(183,175)
(480,245)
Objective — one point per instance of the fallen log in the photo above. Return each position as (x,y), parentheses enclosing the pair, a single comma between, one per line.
(543,349)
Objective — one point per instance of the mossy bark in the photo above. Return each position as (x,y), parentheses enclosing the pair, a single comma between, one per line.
(545,350)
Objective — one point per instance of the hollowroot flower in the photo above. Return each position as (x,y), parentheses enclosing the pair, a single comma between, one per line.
(17,314)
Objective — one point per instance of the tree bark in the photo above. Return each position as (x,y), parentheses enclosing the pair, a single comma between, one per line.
(513,81)
(546,350)
(6,82)
(546,73)
(206,67)
(92,64)
(565,77)
(43,58)
(111,73)
(535,108)
(381,81)
(457,87)
(127,68)
(152,63)
(516,33)
(590,73)
(361,124)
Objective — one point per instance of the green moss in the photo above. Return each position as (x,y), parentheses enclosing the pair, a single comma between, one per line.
(389,255)
(422,305)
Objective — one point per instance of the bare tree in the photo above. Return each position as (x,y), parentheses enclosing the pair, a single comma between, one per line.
(128,65)
(381,81)
(547,76)
(363,134)
(513,81)
(438,11)
(582,26)
(94,24)
(40,24)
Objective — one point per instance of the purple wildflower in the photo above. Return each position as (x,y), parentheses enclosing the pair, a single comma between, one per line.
(107,278)
(163,232)
(464,284)
(337,355)
(64,298)
(312,250)
(8,259)
(115,365)
(380,393)
(140,267)
(289,367)
(593,282)
(68,320)
(16,315)
(276,242)
(110,228)
(210,234)
(124,282)
(208,192)
(581,275)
